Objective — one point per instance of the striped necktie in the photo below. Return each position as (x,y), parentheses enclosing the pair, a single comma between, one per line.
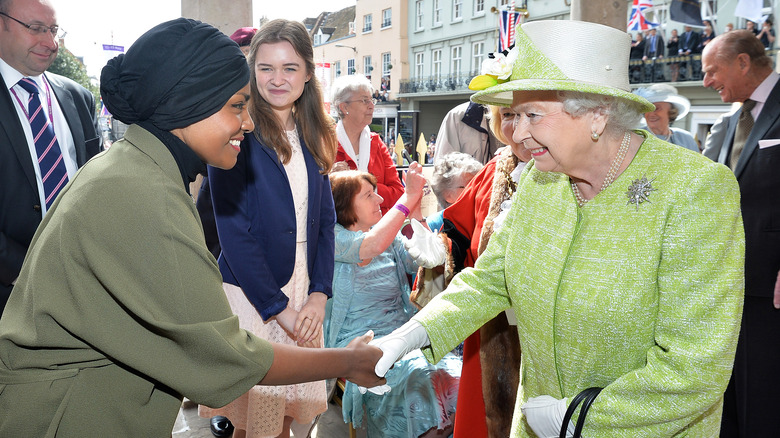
(50,160)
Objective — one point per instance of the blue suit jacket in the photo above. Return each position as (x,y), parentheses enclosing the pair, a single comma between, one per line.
(255,215)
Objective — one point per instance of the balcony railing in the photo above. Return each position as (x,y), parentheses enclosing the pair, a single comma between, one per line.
(433,84)
(670,69)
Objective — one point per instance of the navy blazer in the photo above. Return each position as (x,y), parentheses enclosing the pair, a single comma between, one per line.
(255,215)
(20,209)
(758,174)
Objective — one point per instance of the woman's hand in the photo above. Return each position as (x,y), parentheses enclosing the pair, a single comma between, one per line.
(545,416)
(286,319)
(338,166)
(415,182)
(425,247)
(308,324)
(363,361)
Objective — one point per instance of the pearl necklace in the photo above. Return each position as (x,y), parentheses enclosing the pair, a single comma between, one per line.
(611,173)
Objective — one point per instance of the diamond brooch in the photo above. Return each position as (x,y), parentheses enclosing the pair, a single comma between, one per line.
(639,191)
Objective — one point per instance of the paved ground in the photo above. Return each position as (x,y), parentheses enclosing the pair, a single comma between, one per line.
(329,425)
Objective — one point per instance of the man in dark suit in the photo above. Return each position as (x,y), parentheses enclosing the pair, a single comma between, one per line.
(689,45)
(735,64)
(28,46)
(654,49)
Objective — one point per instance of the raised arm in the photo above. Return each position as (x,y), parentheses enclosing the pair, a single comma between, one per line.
(382,234)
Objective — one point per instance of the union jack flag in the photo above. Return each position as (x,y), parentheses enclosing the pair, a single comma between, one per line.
(638,20)
(507,21)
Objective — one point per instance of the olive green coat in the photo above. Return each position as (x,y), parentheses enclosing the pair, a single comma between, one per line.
(643,300)
(119,309)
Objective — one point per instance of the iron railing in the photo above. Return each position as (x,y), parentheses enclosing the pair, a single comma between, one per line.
(670,69)
(667,69)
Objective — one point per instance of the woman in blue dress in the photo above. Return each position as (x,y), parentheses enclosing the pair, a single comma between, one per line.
(371,289)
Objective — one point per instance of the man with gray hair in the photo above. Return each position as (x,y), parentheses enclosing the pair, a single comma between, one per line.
(735,65)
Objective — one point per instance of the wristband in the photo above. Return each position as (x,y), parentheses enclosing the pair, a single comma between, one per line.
(402,208)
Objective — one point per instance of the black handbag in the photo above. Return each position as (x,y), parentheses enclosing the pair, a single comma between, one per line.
(586,397)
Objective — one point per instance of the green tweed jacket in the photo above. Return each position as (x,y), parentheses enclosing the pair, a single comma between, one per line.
(642,299)
(119,310)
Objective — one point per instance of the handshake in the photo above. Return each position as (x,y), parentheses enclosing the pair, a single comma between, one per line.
(399,343)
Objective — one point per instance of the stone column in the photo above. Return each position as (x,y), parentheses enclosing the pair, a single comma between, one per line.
(227,19)
(613,13)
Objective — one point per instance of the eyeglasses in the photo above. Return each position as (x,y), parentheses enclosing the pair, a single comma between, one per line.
(364,101)
(38,29)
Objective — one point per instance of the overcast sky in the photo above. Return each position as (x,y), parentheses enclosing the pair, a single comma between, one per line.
(91,24)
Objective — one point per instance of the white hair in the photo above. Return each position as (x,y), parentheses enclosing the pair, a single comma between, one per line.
(345,86)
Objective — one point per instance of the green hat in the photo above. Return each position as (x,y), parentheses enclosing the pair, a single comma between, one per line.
(564,55)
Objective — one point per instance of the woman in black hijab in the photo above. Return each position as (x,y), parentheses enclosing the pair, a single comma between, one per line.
(119,311)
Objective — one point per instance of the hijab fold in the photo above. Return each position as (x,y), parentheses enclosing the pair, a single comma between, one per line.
(176,74)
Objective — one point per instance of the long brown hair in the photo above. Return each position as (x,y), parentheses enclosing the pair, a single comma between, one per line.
(314,123)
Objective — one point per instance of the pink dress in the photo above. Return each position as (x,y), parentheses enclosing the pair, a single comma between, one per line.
(261,411)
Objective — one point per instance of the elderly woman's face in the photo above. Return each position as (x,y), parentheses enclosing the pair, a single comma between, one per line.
(281,74)
(217,138)
(658,120)
(367,206)
(359,108)
(556,140)
(508,128)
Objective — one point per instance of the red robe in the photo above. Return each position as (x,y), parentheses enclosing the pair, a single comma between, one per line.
(468,215)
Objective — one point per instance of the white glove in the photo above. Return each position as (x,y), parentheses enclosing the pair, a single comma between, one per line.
(425,247)
(394,346)
(545,415)
(408,337)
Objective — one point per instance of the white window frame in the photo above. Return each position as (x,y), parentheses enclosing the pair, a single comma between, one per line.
(337,68)
(386,63)
(436,64)
(351,70)
(457,10)
(437,12)
(477,56)
(456,60)
(419,14)
(387,18)
(368,24)
(479,7)
(419,65)
(367,68)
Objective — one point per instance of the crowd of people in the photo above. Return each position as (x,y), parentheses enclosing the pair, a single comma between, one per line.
(649,46)
(584,248)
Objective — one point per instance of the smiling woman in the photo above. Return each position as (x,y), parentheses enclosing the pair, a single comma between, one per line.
(118,312)
(274,214)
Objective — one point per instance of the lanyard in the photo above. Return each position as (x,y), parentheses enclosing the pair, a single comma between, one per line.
(48,99)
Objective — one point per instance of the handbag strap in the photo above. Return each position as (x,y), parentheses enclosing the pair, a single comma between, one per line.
(584,410)
(585,397)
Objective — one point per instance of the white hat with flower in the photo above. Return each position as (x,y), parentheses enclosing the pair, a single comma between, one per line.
(560,55)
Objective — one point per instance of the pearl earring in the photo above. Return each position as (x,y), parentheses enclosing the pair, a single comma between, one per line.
(347,112)
(595,136)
